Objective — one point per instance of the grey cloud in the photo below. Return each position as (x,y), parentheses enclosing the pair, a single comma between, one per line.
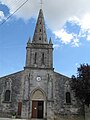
(56,12)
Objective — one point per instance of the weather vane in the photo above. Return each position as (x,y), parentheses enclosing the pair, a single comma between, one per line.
(41,4)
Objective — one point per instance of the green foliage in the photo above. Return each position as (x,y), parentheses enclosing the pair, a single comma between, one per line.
(81,84)
(13,113)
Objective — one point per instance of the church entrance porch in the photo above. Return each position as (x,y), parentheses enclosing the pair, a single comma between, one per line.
(37,109)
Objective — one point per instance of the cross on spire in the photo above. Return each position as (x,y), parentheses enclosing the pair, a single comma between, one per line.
(41,4)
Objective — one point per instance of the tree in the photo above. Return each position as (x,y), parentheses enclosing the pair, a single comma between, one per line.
(81,84)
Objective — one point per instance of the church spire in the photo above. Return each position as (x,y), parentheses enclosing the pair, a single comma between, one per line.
(40,30)
(29,41)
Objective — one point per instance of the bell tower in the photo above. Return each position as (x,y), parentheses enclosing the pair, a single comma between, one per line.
(39,51)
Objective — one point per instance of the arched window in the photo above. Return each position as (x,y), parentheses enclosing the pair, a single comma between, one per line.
(39,38)
(42,58)
(7,95)
(68,97)
(40,30)
(35,59)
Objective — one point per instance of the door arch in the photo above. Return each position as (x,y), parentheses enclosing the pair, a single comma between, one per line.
(38,104)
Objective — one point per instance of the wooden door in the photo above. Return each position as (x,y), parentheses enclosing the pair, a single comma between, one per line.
(37,109)
(40,109)
(34,109)
(19,108)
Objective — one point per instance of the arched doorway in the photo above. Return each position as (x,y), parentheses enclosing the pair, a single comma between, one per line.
(38,104)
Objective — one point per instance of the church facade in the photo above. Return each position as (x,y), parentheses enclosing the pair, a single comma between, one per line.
(38,92)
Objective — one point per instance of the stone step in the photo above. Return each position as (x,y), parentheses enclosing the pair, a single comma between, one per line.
(36,119)
(11,119)
(19,119)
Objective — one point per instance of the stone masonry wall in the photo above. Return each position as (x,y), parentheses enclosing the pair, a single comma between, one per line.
(13,83)
(87,112)
(62,110)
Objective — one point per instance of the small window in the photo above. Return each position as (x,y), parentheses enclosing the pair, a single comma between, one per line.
(40,30)
(40,22)
(39,38)
(7,95)
(35,59)
(42,58)
(68,97)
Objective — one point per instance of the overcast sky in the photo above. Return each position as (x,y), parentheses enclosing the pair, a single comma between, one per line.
(68,21)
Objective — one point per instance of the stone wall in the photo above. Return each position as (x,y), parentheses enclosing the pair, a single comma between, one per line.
(69,117)
(87,112)
(63,110)
(13,83)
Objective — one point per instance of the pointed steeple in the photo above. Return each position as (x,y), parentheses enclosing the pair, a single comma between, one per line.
(50,41)
(29,41)
(40,30)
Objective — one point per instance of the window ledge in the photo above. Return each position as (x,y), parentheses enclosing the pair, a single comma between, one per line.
(6,101)
(67,103)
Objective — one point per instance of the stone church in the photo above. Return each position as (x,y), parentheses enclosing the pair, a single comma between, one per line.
(38,92)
